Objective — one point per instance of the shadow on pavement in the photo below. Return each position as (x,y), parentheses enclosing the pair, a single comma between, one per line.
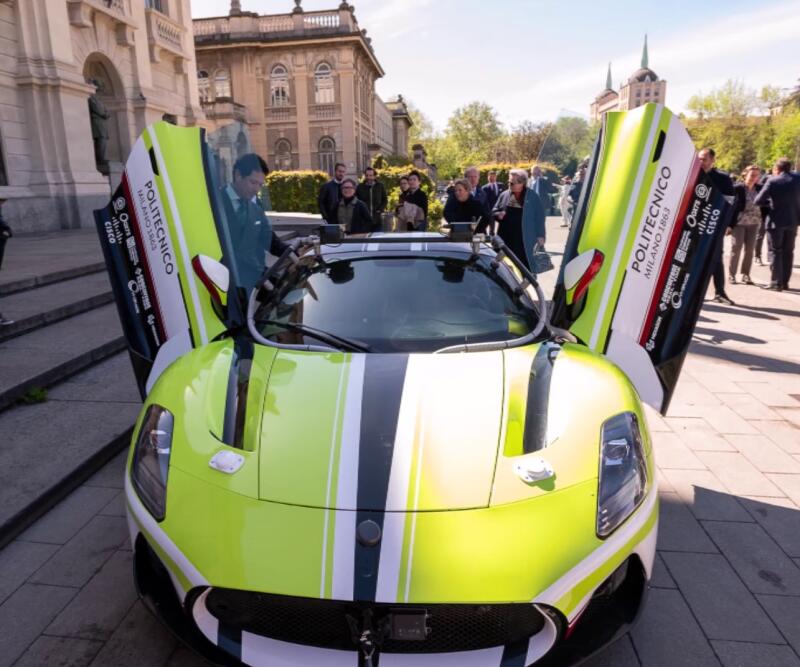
(754,362)
(746,311)
(719,336)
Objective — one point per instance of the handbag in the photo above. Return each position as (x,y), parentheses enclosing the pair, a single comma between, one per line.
(541,260)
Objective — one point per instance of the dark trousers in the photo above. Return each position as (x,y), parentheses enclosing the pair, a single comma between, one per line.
(719,271)
(780,244)
(760,241)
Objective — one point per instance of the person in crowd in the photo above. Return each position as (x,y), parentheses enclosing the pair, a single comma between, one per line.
(520,217)
(403,184)
(373,194)
(472,177)
(5,234)
(564,202)
(351,213)
(329,194)
(762,232)
(781,196)
(416,196)
(722,183)
(250,228)
(491,190)
(542,186)
(747,222)
(576,188)
(463,207)
(263,198)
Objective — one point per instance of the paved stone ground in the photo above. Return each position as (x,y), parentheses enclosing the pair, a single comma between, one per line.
(726,589)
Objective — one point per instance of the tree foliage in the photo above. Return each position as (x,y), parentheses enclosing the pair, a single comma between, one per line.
(474,128)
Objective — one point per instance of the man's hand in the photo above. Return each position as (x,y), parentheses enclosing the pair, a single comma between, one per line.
(540,241)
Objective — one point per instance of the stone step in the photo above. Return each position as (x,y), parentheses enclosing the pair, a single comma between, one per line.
(55,352)
(48,278)
(43,305)
(50,448)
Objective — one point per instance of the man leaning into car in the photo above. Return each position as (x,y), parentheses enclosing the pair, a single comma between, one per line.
(250,228)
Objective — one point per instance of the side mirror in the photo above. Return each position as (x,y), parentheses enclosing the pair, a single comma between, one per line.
(579,273)
(215,277)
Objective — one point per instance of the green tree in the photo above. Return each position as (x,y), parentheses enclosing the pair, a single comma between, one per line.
(733,98)
(422,130)
(473,128)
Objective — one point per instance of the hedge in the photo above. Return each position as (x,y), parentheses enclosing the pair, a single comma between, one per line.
(297,191)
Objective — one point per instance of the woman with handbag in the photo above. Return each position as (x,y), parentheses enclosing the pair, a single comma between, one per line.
(520,216)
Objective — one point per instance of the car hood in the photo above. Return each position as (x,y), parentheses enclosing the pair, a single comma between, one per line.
(382,432)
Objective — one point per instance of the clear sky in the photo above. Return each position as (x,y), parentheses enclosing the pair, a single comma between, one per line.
(535,59)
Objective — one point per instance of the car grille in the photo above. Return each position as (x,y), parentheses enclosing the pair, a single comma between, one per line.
(324,623)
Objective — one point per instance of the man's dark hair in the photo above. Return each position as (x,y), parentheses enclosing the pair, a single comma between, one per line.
(492,172)
(414,172)
(710,151)
(372,169)
(249,163)
(339,164)
(783,165)
(350,181)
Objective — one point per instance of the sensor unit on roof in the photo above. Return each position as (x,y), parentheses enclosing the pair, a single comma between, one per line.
(461,232)
(330,234)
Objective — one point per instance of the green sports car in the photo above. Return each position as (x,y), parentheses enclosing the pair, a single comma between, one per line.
(394,450)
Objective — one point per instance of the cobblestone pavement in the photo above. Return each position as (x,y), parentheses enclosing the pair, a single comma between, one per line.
(726,588)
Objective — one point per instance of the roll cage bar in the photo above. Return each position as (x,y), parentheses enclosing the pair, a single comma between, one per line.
(328,235)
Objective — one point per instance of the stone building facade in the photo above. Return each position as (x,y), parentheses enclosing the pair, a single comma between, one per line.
(141,53)
(301,83)
(641,87)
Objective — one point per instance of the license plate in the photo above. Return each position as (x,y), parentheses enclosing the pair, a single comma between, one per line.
(410,625)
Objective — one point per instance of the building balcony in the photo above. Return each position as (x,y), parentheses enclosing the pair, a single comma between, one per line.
(324,111)
(224,108)
(81,14)
(281,114)
(164,35)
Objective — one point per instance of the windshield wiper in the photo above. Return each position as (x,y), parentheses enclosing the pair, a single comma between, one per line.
(325,336)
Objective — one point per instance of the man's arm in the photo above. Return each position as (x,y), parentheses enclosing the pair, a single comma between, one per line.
(764,196)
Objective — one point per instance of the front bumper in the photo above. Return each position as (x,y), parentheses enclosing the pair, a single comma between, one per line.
(224,640)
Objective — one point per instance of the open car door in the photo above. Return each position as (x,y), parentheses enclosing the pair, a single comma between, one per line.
(640,252)
(158,233)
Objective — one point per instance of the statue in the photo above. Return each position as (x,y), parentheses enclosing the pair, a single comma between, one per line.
(99,116)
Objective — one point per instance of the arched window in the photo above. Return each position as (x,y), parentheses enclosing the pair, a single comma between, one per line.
(222,83)
(279,87)
(327,155)
(283,155)
(323,84)
(204,86)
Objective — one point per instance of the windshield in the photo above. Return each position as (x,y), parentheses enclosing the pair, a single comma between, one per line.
(399,304)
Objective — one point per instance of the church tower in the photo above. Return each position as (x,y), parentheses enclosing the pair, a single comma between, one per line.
(643,85)
(607,100)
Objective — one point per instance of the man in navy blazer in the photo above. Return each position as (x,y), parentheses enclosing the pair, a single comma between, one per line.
(330,194)
(781,196)
(491,190)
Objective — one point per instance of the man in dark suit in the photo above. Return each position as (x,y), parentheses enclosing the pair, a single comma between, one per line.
(722,182)
(781,196)
(491,190)
(250,228)
(542,186)
(330,193)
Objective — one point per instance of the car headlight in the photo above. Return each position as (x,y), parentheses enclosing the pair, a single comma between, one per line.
(623,472)
(151,460)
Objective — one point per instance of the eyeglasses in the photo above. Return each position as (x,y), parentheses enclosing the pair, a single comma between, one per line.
(348,187)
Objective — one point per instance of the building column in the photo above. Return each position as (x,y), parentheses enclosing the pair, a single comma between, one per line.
(347,91)
(301,79)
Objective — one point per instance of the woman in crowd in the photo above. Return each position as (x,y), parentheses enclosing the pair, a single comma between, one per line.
(747,220)
(520,215)
(352,213)
(563,201)
(466,208)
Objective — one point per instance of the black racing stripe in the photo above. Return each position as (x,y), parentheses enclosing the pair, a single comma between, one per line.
(236,396)
(384,376)
(229,639)
(535,436)
(514,655)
